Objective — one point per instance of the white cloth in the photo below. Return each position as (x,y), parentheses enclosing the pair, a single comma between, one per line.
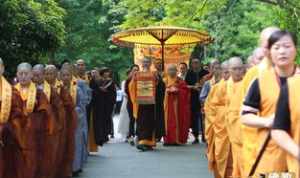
(120,94)
(124,120)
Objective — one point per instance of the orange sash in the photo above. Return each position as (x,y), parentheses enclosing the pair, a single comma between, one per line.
(47,90)
(73,89)
(29,96)
(57,86)
(6,97)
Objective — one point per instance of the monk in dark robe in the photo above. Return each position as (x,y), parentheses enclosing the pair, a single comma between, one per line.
(68,96)
(12,121)
(159,105)
(39,124)
(142,90)
(177,118)
(103,101)
(52,142)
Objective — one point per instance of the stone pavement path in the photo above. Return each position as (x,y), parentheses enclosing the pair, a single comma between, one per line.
(120,160)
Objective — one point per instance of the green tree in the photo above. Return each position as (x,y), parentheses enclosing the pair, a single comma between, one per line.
(29,31)
(90,25)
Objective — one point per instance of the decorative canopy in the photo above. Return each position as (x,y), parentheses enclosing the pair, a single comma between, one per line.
(160,35)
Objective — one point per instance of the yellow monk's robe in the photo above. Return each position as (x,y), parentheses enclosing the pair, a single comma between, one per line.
(233,124)
(294,103)
(269,88)
(218,151)
(250,144)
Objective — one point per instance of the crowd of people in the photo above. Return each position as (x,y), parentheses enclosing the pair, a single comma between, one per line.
(251,120)
(52,118)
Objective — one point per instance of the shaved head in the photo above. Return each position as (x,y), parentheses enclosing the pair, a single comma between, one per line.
(50,67)
(39,67)
(24,66)
(51,74)
(80,66)
(265,35)
(38,74)
(24,73)
(80,61)
(235,61)
(172,70)
(225,70)
(146,63)
(236,68)
(258,55)
(225,64)
(66,75)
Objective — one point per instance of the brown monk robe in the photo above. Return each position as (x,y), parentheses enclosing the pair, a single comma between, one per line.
(58,107)
(38,116)
(67,95)
(51,143)
(11,122)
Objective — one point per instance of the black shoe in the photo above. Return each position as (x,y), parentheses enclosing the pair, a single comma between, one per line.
(171,144)
(76,174)
(141,147)
(195,142)
(132,143)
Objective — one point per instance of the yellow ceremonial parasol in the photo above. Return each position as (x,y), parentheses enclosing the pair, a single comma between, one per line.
(160,35)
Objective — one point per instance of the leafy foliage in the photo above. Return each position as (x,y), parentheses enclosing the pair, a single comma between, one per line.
(29,31)
(57,30)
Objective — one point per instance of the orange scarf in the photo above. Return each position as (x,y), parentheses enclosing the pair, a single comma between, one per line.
(47,90)
(73,89)
(6,95)
(28,95)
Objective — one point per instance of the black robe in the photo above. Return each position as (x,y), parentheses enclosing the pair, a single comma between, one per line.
(102,106)
(159,108)
(151,117)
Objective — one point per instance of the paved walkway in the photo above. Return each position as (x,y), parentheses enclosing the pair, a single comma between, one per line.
(120,160)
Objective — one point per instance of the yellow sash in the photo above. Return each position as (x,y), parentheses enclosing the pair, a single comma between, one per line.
(47,90)
(57,85)
(6,96)
(73,89)
(29,96)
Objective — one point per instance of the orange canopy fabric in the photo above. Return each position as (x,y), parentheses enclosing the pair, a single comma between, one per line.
(173,54)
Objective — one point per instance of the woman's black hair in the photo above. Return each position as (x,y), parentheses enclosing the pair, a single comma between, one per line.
(276,36)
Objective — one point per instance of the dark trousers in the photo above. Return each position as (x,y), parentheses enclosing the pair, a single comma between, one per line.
(196,125)
(132,121)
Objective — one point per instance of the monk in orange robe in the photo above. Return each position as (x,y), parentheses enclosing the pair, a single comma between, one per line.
(218,145)
(12,121)
(38,116)
(232,120)
(52,144)
(176,104)
(68,95)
